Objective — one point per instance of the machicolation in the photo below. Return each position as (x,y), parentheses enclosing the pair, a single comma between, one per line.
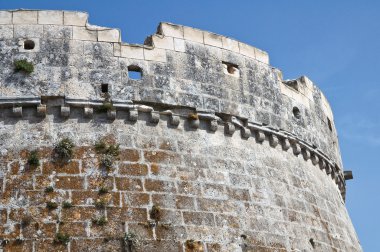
(190,142)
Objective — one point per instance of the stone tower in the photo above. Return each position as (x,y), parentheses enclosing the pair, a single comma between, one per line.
(190,142)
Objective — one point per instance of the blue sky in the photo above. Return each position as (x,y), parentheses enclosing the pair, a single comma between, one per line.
(335,43)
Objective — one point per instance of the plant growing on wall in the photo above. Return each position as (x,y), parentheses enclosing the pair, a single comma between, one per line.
(33,159)
(64,149)
(24,66)
(131,241)
(62,238)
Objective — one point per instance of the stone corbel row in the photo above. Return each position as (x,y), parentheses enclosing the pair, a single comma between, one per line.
(247,129)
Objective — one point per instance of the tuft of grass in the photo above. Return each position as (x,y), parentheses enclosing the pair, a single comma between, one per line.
(103,190)
(107,161)
(26,220)
(100,203)
(62,238)
(49,189)
(107,105)
(24,66)
(33,159)
(64,148)
(155,213)
(51,205)
(193,116)
(131,240)
(67,204)
(100,221)
(100,146)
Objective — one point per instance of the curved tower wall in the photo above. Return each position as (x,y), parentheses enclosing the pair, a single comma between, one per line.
(234,157)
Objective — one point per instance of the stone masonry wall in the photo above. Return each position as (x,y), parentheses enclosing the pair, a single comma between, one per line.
(217,151)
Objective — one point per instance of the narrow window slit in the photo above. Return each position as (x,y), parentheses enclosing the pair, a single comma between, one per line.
(104,88)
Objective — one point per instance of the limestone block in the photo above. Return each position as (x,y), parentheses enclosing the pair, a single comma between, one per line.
(171,30)
(65,111)
(154,117)
(132,52)
(314,159)
(75,18)
(261,56)
(25,17)
(174,120)
(41,110)
(155,54)
(247,50)
(50,17)
(6,31)
(88,112)
(285,144)
(194,124)
(179,45)
(117,49)
(245,132)
(306,154)
(163,42)
(213,125)
(193,34)
(111,114)
(28,31)
(230,44)
(5,17)
(328,168)
(82,33)
(17,111)
(212,39)
(296,149)
(260,136)
(273,140)
(58,31)
(111,35)
(133,115)
(229,128)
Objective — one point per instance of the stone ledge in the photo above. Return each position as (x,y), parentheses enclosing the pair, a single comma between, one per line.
(249,129)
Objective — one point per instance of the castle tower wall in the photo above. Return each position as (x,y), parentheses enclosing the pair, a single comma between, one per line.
(217,151)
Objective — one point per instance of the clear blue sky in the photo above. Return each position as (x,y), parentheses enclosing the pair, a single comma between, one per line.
(335,43)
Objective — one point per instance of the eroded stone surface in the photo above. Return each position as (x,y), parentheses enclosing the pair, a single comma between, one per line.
(216,190)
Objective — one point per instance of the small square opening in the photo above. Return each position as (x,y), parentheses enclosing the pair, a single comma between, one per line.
(134,72)
(104,88)
(29,44)
(231,69)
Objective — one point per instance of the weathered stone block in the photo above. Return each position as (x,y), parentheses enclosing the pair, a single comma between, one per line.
(193,34)
(88,112)
(65,111)
(296,148)
(171,30)
(174,120)
(111,114)
(41,110)
(110,35)
(212,39)
(17,111)
(82,33)
(25,17)
(28,31)
(6,31)
(213,125)
(260,136)
(154,117)
(50,17)
(247,50)
(163,42)
(230,44)
(261,56)
(179,45)
(155,54)
(273,140)
(75,18)
(5,17)
(133,115)
(245,132)
(133,52)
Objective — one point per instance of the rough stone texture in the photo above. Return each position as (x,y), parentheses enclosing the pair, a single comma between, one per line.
(246,162)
